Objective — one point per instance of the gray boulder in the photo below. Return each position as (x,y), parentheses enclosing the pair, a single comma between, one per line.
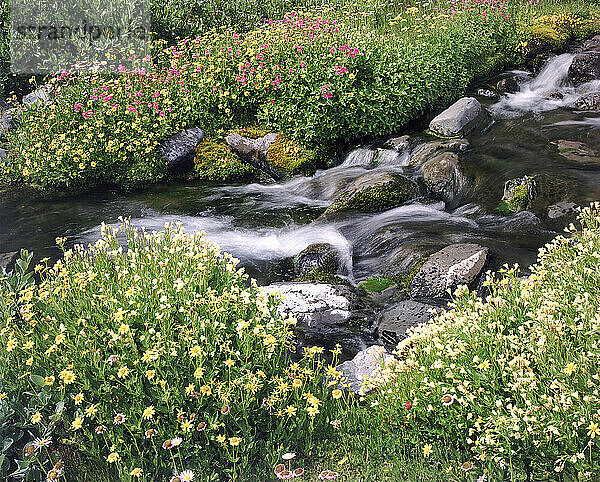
(3,154)
(324,313)
(179,149)
(254,152)
(375,191)
(588,102)
(460,119)
(424,152)
(322,256)
(443,177)
(393,323)
(454,265)
(577,152)
(364,372)
(585,67)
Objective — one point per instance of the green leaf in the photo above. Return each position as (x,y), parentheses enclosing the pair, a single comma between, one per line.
(38,380)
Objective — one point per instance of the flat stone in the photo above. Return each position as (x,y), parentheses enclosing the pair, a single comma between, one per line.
(179,149)
(460,119)
(364,372)
(393,323)
(561,209)
(454,265)
(254,152)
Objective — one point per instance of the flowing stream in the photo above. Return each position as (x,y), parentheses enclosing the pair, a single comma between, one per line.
(264,224)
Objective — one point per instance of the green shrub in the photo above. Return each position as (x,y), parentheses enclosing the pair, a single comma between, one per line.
(156,359)
(511,382)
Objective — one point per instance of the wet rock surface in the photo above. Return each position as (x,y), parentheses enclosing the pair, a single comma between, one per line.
(589,102)
(585,67)
(375,191)
(322,256)
(7,259)
(443,178)
(393,323)
(426,151)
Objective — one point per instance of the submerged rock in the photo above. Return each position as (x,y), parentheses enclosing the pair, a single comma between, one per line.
(393,323)
(454,265)
(561,209)
(179,149)
(321,256)
(375,191)
(460,119)
(585,67)
(443,177)
(326,314)
(577,152)
(519,194)
(366,369)
(588,102)
(426,151)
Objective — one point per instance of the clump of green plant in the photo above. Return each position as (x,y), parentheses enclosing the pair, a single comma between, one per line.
(157,359)
(376,284)
(510,382)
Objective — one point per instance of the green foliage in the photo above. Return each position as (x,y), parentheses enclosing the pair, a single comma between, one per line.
(376,284)
(323,79)
(157,359)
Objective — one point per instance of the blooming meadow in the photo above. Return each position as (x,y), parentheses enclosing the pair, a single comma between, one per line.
(154,362)
(325,79)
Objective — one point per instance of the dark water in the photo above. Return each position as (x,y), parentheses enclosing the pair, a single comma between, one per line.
(261,224)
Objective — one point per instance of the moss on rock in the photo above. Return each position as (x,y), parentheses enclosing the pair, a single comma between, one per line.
(214,161)
(375,192)
(318,275)
(291,156)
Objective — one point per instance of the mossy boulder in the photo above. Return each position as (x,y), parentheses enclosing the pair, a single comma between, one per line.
(375,192)
(291,156)
(318,255)
(214,161)
(519,194)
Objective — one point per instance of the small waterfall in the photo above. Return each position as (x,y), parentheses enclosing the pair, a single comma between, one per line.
(548,91)
(359,157)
